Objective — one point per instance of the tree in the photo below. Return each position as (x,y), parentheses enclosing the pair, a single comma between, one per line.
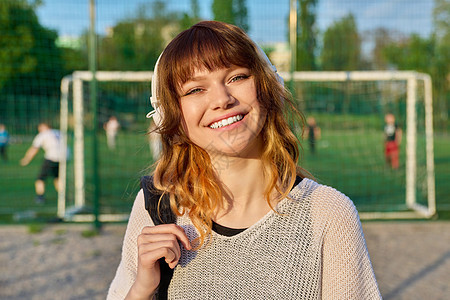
(306,36)
(341,46)
(190,19)
(232,12)
(28,53)
(413,53)
(223,11)
(382,38)
(240,14)
(135,44)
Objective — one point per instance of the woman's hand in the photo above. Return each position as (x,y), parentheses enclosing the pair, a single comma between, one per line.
(153,243)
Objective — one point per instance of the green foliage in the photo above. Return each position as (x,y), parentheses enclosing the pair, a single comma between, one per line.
(73,59)
(27,51)
(342,46)
(223,11)
(240,14)
(382,38)
(188,20)
(31,68)
(306,36)
(413,53)
(441,20)
(232,12)
(135,44)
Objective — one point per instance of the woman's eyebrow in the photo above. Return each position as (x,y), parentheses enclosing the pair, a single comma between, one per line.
(196,78)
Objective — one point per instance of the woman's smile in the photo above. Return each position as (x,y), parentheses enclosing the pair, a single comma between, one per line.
(226,121)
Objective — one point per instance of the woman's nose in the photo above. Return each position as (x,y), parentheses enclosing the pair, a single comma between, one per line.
(221,98)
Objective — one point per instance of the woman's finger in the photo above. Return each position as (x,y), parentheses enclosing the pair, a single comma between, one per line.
(172,245)
(169,228)
(150,257)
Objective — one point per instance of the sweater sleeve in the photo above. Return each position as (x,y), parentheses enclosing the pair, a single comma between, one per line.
(347,272)
(126,272)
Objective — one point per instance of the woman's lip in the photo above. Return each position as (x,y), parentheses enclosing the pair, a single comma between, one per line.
(226,117)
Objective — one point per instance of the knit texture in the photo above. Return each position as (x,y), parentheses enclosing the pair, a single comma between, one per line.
(313,248)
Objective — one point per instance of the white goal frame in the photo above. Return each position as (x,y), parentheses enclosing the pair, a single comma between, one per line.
(416,210)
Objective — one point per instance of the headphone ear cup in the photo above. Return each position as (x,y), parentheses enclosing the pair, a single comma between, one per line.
(156,113)
(274,69)
(279,78)
(157,117)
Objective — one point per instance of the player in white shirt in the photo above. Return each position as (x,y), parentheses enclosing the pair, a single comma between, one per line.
(49,140)
(111,127)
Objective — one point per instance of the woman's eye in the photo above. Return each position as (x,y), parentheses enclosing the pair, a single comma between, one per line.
(239,77)
(193,91)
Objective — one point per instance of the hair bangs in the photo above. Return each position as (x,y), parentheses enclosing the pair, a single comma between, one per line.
(209,50)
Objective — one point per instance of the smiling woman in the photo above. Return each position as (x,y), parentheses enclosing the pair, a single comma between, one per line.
(249,223)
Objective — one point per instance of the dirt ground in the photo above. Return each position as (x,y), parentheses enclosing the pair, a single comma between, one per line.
(411,260)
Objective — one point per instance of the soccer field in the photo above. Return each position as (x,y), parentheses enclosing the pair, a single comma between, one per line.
(349,160)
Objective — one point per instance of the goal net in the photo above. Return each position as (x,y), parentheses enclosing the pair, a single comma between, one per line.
(348,152)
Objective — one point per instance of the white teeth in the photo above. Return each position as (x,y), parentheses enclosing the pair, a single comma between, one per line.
(226,122)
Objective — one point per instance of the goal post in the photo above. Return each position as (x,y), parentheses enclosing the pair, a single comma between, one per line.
(404,82)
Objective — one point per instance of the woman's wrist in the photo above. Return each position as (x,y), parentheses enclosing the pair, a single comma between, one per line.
(137,293)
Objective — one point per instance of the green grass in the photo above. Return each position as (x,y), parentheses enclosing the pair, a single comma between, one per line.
(348,159)
(353,162)
(442,171)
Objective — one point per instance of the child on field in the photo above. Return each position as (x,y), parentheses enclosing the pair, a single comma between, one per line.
(393,139)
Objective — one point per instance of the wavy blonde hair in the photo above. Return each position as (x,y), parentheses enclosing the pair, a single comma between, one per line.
(185,170)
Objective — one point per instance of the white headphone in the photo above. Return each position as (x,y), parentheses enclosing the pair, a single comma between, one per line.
(156,112)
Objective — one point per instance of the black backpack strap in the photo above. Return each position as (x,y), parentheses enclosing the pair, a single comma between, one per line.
(152,196)
(165,216)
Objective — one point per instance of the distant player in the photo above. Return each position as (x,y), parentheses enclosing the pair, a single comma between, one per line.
(4,140)
(313,133)
(49,140)
(111,127)
(393,138)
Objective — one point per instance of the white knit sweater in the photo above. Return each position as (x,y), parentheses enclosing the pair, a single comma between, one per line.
(313,248)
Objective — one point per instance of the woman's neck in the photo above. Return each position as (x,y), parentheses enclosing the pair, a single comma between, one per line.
(244,185)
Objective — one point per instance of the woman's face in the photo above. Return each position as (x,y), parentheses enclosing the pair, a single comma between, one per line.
(222,113)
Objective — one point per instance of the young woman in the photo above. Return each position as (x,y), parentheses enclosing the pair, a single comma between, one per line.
(250,224)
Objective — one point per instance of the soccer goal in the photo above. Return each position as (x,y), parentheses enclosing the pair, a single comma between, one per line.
(348,107)
(123,95)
